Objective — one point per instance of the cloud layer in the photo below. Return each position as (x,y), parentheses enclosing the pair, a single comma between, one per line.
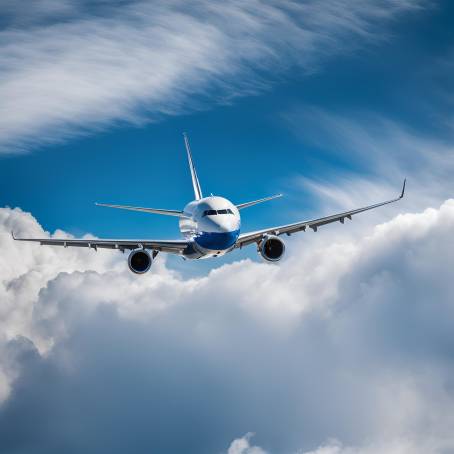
(72,67)
(350,338)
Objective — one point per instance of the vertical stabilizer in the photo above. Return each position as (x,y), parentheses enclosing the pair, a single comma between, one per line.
(195,180)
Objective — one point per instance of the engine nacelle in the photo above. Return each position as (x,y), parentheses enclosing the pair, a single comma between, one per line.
(272,248)
(139,261)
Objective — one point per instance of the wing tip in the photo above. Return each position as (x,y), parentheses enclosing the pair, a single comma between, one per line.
(403,189)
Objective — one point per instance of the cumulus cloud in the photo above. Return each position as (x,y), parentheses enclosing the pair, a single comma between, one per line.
(242,446)
(72,67)
(350,338)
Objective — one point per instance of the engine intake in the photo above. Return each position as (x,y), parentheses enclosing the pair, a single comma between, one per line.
(139,261)
(272,248)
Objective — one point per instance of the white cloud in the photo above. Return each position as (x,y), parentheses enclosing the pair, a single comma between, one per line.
(83,70)
(242,446)
(349,337)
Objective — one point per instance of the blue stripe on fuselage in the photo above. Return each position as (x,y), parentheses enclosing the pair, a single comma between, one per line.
(217,240)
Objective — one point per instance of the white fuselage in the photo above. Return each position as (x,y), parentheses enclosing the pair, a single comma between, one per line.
(213,224)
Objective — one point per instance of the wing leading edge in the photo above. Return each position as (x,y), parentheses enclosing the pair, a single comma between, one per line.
(172,247)
(252,237)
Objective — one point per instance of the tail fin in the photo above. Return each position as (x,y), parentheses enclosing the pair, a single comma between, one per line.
(195,181)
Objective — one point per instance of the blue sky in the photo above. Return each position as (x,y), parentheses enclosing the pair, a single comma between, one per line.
(345,346)
(245,148)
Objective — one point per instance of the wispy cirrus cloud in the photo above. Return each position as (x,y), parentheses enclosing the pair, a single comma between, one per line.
(92,65)
(384,152)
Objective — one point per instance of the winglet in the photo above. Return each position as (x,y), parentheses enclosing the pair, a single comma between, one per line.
(12,234)
(403,189)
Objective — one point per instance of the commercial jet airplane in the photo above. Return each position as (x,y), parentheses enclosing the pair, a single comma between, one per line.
(210,227)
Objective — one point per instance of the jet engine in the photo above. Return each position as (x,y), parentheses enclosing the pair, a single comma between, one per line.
(139,261)
(272,248)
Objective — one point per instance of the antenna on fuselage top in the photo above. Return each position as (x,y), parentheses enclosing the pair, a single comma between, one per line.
(195,180)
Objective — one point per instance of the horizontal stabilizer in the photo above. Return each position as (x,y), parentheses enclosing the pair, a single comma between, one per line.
(144,210)
(255,202)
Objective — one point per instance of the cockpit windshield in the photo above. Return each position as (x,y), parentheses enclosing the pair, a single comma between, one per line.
(215,212)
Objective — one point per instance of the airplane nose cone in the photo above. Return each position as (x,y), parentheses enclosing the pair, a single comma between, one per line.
(223,227)
(220,224)
(228,223)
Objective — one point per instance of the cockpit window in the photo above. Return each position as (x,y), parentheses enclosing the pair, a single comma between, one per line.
(214,212)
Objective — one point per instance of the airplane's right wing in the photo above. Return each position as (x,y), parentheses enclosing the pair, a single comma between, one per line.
(172,247)
(254,237)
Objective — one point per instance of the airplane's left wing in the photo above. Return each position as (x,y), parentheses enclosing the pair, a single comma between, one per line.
(254,237)
(172,247)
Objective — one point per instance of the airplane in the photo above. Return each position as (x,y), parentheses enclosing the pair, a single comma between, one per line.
(210,227)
